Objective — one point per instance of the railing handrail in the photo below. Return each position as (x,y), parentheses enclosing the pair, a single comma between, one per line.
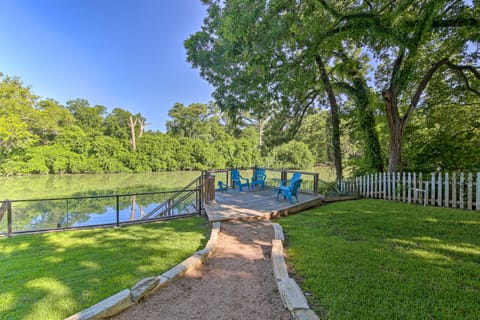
(170,201)
(176,199)
(95,197)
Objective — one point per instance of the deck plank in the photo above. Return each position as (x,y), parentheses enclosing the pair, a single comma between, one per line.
(236,205)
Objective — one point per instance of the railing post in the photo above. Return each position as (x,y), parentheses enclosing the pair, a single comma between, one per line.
(315,184)
(66,200)
(118,209)
(9,218)
(283,176)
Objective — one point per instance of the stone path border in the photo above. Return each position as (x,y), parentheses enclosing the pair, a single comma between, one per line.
(292,296)
(126,298)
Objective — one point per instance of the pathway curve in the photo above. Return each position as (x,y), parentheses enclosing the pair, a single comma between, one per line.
(236,282)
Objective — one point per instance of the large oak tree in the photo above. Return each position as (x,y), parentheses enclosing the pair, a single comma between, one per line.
(282,57)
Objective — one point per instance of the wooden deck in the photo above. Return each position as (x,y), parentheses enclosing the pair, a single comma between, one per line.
(256,204)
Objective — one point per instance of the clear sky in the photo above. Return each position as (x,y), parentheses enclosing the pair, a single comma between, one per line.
(115,53)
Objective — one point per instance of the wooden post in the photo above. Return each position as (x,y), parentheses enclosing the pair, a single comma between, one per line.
(315,184)
(283,176)
(9,218)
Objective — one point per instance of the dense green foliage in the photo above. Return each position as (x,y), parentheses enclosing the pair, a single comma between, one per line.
(54,275)
(375,259)
(392,75)
(41,136)
(375,63)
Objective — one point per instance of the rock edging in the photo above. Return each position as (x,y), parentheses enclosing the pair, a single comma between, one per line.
(126,298)
(292,296)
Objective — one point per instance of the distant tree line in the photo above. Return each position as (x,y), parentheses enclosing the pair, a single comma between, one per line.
(41,136)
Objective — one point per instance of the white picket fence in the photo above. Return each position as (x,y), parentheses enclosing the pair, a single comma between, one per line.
(450,190)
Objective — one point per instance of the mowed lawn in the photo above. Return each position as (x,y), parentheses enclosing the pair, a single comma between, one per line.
(54,275)
(376,259)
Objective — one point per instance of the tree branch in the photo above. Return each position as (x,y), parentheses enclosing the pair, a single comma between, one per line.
(421,87)
(396,68)
(460,70)
(456,22)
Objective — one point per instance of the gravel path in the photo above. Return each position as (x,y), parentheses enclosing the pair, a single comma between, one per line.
(237,282)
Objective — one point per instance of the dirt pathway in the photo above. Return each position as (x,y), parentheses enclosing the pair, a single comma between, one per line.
(237,282)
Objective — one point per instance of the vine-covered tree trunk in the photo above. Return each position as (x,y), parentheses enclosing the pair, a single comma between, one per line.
(337,155)
(373,151)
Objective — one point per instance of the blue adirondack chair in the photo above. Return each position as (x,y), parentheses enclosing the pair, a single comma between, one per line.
(296,176)
(237,180)
(259,178)
(290,190)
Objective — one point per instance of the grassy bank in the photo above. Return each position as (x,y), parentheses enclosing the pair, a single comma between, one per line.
(375,259)
(51,276)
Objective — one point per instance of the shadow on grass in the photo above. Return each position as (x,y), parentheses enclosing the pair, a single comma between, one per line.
(375,259)
(51,276)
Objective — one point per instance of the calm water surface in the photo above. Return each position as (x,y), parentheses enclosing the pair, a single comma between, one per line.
(48,214)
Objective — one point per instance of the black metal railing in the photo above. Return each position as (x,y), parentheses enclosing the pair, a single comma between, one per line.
(40,215)
(275,177)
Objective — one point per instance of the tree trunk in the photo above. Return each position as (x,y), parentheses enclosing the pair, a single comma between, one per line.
(134,204)
(337,155)
(132,125)
(395,149)
(396,128)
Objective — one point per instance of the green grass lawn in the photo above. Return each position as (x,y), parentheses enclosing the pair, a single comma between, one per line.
(376,259)
(54,275)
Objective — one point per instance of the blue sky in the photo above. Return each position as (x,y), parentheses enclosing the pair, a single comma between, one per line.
(116,53)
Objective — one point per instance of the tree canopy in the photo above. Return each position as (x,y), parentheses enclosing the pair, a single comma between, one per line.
(288,57)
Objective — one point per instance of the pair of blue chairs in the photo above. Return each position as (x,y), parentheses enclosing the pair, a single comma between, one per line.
(258,179)
(290,191)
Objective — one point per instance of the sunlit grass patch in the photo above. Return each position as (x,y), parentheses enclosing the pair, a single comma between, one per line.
(375,259)
(54,275)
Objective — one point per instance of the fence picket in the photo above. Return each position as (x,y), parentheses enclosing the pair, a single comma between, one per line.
(384,184)
(409,184)
(414,187)
(461,189)
(477,198)
(439,190)
(442,190)
(447,194)
(432,197)
(369,193)
(469,191)
(425,194)
(454,190)
(393,186)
